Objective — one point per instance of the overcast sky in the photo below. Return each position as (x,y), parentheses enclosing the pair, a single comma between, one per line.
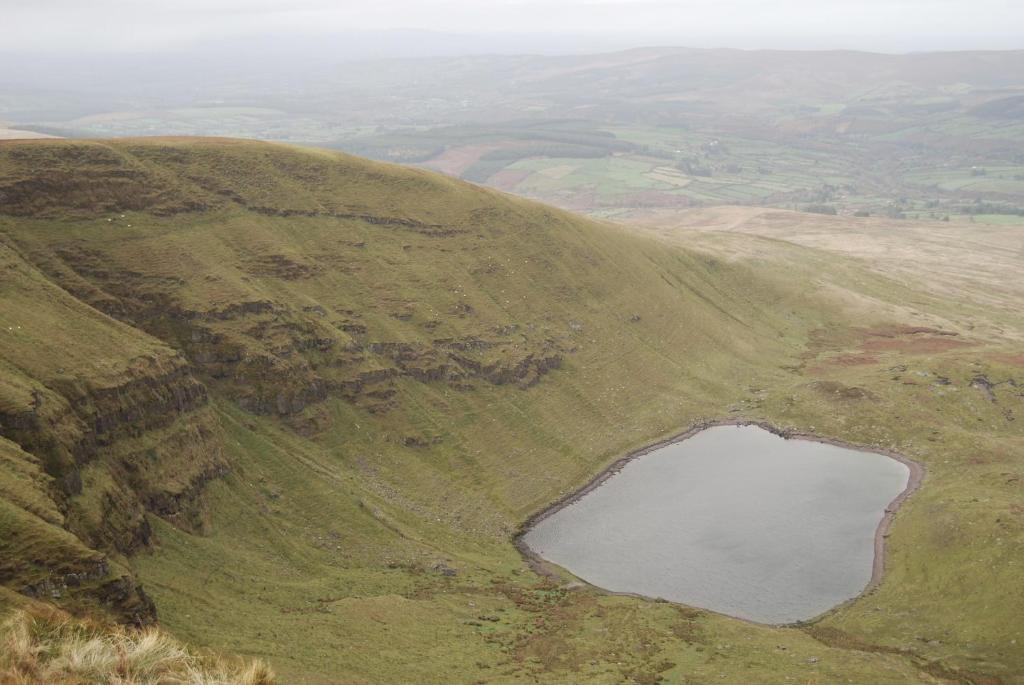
(77,25)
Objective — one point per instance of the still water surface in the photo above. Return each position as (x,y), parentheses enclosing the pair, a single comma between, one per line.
(734,519)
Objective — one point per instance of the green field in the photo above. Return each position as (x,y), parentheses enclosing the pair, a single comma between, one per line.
(997,219)
(663,166)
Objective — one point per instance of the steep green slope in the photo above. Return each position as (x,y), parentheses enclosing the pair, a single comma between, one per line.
(309,399)
(78,392)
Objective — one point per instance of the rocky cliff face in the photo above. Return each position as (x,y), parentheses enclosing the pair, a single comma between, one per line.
(100,427)
(140,280)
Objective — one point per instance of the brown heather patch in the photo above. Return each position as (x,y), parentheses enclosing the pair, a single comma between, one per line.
(852,360)
(508,179)
(916,345)
(908,339)
(455,161)
(833,637)
(898,330)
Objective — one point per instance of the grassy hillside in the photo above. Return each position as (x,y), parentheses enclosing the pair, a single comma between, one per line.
(307,400)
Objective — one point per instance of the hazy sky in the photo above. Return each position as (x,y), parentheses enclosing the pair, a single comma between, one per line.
(75,25)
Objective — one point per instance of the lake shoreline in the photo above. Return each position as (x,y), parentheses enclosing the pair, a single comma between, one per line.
(916,476)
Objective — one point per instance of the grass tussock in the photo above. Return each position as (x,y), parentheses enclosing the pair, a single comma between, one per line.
(52,648)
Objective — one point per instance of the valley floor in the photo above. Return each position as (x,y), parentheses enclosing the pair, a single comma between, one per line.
(939,379)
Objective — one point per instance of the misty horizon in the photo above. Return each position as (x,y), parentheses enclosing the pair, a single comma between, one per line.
(406,28)
(412,42)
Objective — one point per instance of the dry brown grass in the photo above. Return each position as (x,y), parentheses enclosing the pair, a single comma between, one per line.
(49,647)
(949,258)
